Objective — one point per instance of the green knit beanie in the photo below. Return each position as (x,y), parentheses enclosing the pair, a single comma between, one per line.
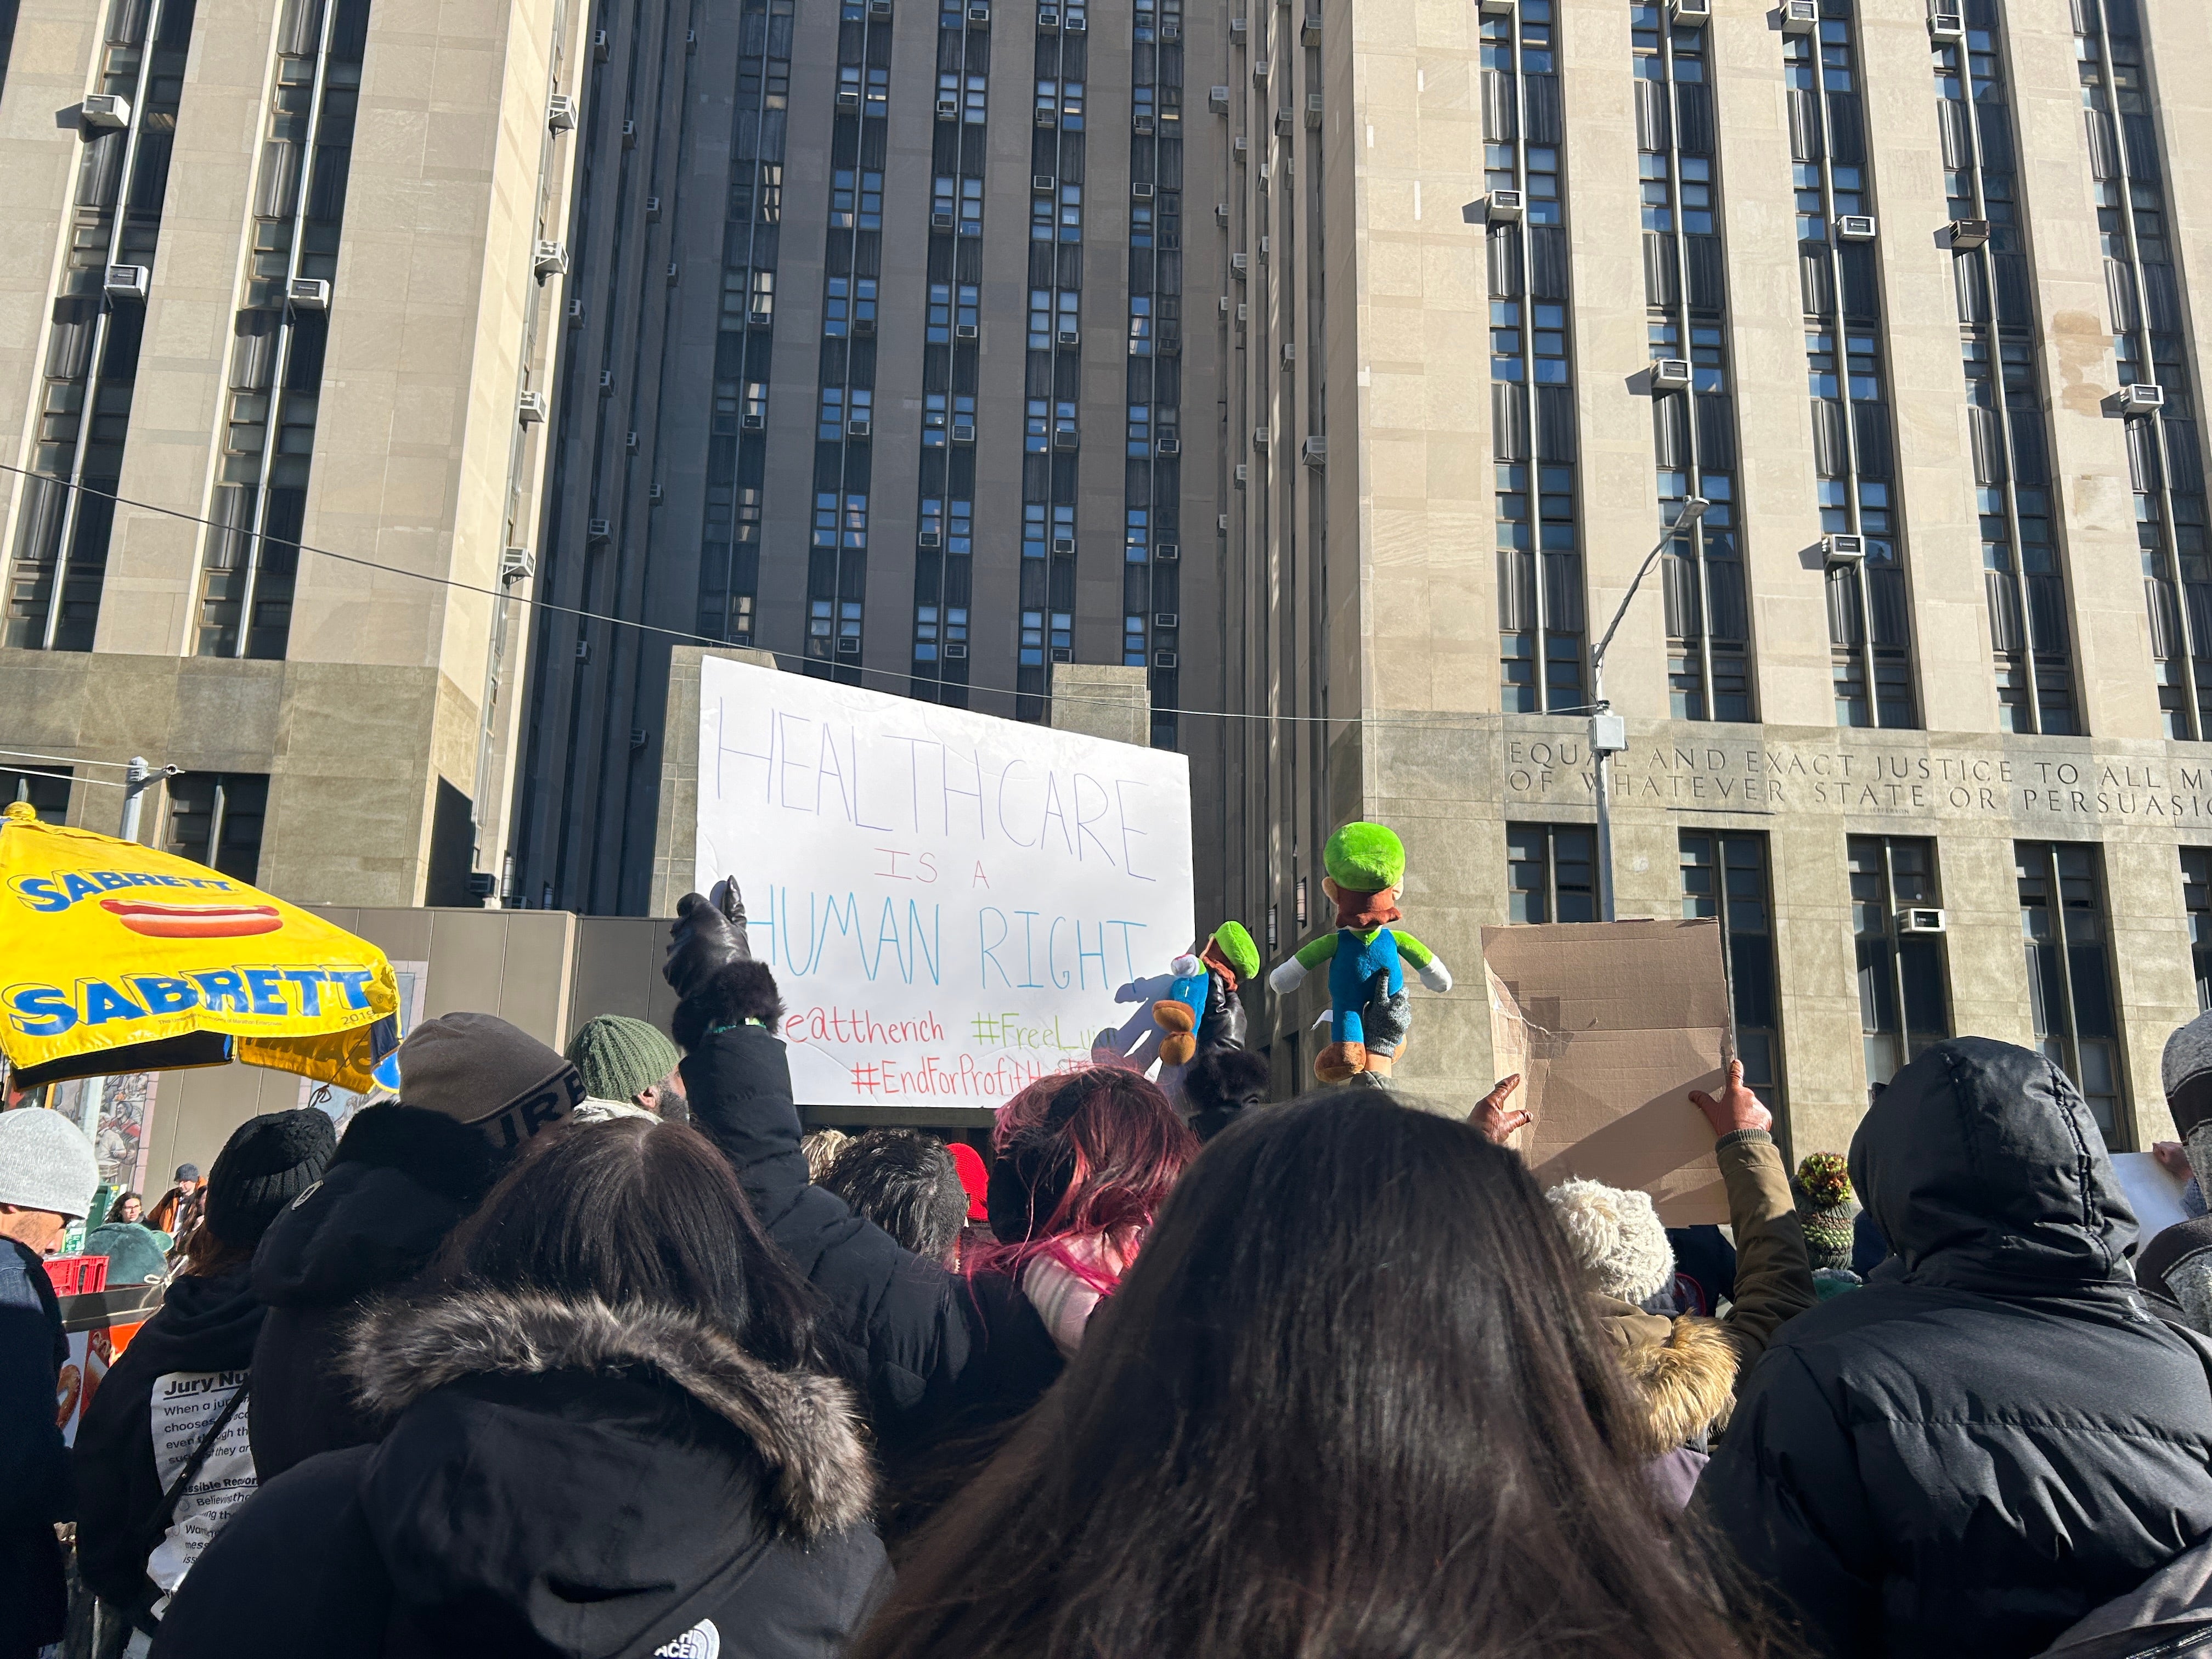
(618,1057)
(1237,948)
(1826,1207)
(1364,858)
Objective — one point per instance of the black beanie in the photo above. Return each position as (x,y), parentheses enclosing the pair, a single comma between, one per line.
(267,1162)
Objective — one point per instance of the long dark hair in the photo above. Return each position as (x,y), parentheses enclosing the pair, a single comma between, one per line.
(1347,1402)
(639,1213)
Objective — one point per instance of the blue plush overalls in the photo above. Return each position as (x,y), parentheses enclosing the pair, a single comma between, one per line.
(1352,973)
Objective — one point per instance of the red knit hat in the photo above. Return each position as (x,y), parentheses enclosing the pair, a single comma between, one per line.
(975,1179)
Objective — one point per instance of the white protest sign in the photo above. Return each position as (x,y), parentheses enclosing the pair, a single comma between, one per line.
(954,905)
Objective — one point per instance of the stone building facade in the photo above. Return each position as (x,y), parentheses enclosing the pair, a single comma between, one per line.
(1918,709)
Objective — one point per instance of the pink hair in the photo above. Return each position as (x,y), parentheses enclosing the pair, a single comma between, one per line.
(1110,1134)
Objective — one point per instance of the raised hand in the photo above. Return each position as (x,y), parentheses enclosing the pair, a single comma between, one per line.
(1734,1108)
(707,934)
(1493,1117)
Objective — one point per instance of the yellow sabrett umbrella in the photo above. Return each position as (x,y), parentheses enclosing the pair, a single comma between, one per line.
(117,957)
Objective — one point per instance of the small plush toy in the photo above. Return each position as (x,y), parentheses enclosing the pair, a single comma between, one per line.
(1201,1006)
(1366,866)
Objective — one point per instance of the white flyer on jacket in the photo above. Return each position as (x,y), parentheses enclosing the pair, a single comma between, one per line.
(185,1406)
(954,905)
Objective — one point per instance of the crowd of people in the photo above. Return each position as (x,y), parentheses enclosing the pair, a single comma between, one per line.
(596,1354)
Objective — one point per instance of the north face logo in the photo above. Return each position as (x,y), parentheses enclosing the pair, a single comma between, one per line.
(702,1641)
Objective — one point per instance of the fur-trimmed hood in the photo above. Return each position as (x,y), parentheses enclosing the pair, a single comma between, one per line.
(805,1427)
(1683,1371)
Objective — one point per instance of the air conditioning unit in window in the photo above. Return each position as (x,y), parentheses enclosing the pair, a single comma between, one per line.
(1314,107)
(1670,375)
(639,737)
(752,422)
(1314,452)
(879,8)
(629,135)
(655,494)
(1285,122)
(1068,336)
(948,109)
(561,112)
(1165,660)
(629,442)
(691,41)
(1259,437)
(1042,183)
(1171,445)
(1854,227)
(1691,12)
(1221,213)
(1238,28)
(1243,315)
(966,330)
(1048,118)
(760,319)
(955,651)
(1240,265)
(1921,921)
(864,326)
(308,293)
(940,221)
(606,382)
(1170,30)
(1140,190)
(1063,543)
(1223,303)
(1497,8)
(847,98)
(1166,619)
(516,564)
(1263,176)
(652,209)
(1259,71)
(979,16)
(1945,27)
(125,282)
(856,428)
(1140,123)
(598,46)
(963,432)
(1800,16)
(1243,473)
(530,408)
(1967,234)
(105,110)
(576,313)
(583,651)
(550,259)
(1048,19)
(1168,551)
(597,530)
(2141,399)
(927,538)
(1503,207)
(1076,24)
(850,647)
(1264,244)
(1844,549)
(1217,100)
(1066,440)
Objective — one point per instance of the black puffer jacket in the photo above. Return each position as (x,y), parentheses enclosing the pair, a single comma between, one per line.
(401,1180)
(937,1354)
(1972,1452)
(205,1326)
(562,1479)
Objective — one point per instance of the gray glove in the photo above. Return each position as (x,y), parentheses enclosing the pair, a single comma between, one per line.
(707,934)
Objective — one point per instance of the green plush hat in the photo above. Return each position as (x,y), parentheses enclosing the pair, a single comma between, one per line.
(1364,858)
(1237,948)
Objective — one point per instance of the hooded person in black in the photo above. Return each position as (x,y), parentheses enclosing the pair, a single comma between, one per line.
(473,1090)
(1997,1434)
(605,1437)
(166,1393)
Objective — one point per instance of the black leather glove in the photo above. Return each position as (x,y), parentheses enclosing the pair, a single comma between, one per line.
(707,934)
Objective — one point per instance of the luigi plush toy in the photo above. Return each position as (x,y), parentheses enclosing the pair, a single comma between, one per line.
(1201,1007)
(1366,866)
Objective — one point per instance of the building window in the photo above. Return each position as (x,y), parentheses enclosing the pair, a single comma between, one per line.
(47,790)
(1725,877)
(2196,895)
(214,819)
(1550,872)
(2069,973)
(1904,1002)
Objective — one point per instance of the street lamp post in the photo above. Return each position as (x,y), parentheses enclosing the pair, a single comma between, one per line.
(1608,732)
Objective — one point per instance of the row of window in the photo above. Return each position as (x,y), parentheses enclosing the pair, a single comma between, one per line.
(1898,937)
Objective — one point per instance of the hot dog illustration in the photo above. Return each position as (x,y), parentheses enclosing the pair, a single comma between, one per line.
(194,920)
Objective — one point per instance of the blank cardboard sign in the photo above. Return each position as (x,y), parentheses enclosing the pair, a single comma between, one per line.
(1611,1025)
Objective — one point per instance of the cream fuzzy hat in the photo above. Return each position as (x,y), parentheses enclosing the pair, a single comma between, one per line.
(1617,1237)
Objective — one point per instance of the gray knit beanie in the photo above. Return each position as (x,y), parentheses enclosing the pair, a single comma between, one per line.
(1617,1236)
(45,1163)
(618,1057)
(481,1071)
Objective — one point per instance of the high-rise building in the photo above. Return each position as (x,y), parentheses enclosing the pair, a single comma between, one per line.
(1916,706)
(272,382)
(891,346)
